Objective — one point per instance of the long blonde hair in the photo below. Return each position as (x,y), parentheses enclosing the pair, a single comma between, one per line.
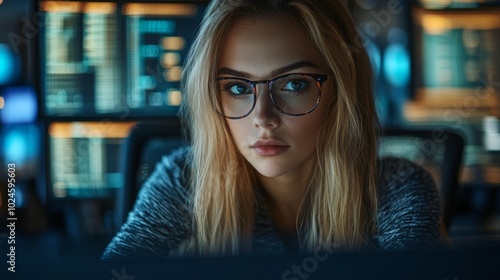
(341,201)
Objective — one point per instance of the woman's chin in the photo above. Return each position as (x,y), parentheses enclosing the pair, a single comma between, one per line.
(270,171)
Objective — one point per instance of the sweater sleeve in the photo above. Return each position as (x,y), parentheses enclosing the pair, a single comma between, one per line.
(159,221)
(409,209)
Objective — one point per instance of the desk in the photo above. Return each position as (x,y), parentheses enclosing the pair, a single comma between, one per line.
(441,264)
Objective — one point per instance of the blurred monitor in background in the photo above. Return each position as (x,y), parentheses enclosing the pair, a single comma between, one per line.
(83,159)
(114,58)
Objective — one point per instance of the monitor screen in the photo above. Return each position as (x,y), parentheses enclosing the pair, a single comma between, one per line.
(114,58)
(84,158)
(456,59)
(157,39)
(456,4)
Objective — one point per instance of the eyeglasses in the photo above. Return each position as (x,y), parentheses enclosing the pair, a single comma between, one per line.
(294,94)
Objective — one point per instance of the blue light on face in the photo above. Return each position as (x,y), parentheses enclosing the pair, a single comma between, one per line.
(397,65)
(8,67)
(20,105)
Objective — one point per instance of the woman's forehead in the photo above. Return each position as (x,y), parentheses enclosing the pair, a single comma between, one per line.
(258,45)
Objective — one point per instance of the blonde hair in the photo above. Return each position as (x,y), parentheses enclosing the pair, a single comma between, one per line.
(341,201)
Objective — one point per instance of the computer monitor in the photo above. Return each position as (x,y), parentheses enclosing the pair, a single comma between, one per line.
(157,39)
(455,61)
(106,60)
(83,159)
(114,58)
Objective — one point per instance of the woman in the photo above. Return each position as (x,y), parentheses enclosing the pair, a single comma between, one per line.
(281,113)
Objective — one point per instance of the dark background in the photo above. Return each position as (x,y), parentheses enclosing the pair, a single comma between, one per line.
(437,65)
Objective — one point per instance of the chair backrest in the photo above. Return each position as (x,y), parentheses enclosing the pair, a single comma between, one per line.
(439,151)
(146,144)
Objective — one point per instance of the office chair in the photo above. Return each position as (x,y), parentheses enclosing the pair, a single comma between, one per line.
(439,151)
(146,144)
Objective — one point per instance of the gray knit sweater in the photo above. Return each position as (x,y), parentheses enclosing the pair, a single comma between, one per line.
(408,216)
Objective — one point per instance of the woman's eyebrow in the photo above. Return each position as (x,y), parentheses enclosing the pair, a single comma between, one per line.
(292,66)
(232,72)
(274,73)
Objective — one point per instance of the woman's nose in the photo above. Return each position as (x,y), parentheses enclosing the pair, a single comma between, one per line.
(265,114)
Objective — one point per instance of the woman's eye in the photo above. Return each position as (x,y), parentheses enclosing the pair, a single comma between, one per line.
(295,85)
(239,89)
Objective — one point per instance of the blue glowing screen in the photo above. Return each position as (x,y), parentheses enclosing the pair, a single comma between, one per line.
(8,65)
(20,105)
(397,65)
(19,144)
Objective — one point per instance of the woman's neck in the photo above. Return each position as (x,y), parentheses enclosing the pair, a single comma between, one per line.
(284,196)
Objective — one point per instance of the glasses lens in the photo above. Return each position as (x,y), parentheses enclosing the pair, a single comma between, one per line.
(296,94)
(236,98)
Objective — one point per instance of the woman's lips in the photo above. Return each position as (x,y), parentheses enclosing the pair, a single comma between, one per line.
(269,150)
(269,147)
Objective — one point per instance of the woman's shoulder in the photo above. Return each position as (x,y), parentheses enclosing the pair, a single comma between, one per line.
(168,185)
(173,170)
(409,208)
(160,219)
(177,161)
(179,156)
(397,173)
(170,180)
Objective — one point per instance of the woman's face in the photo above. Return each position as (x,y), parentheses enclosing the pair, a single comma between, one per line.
(262,49)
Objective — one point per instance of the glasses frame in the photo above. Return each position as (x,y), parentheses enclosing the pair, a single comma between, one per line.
(319,78)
